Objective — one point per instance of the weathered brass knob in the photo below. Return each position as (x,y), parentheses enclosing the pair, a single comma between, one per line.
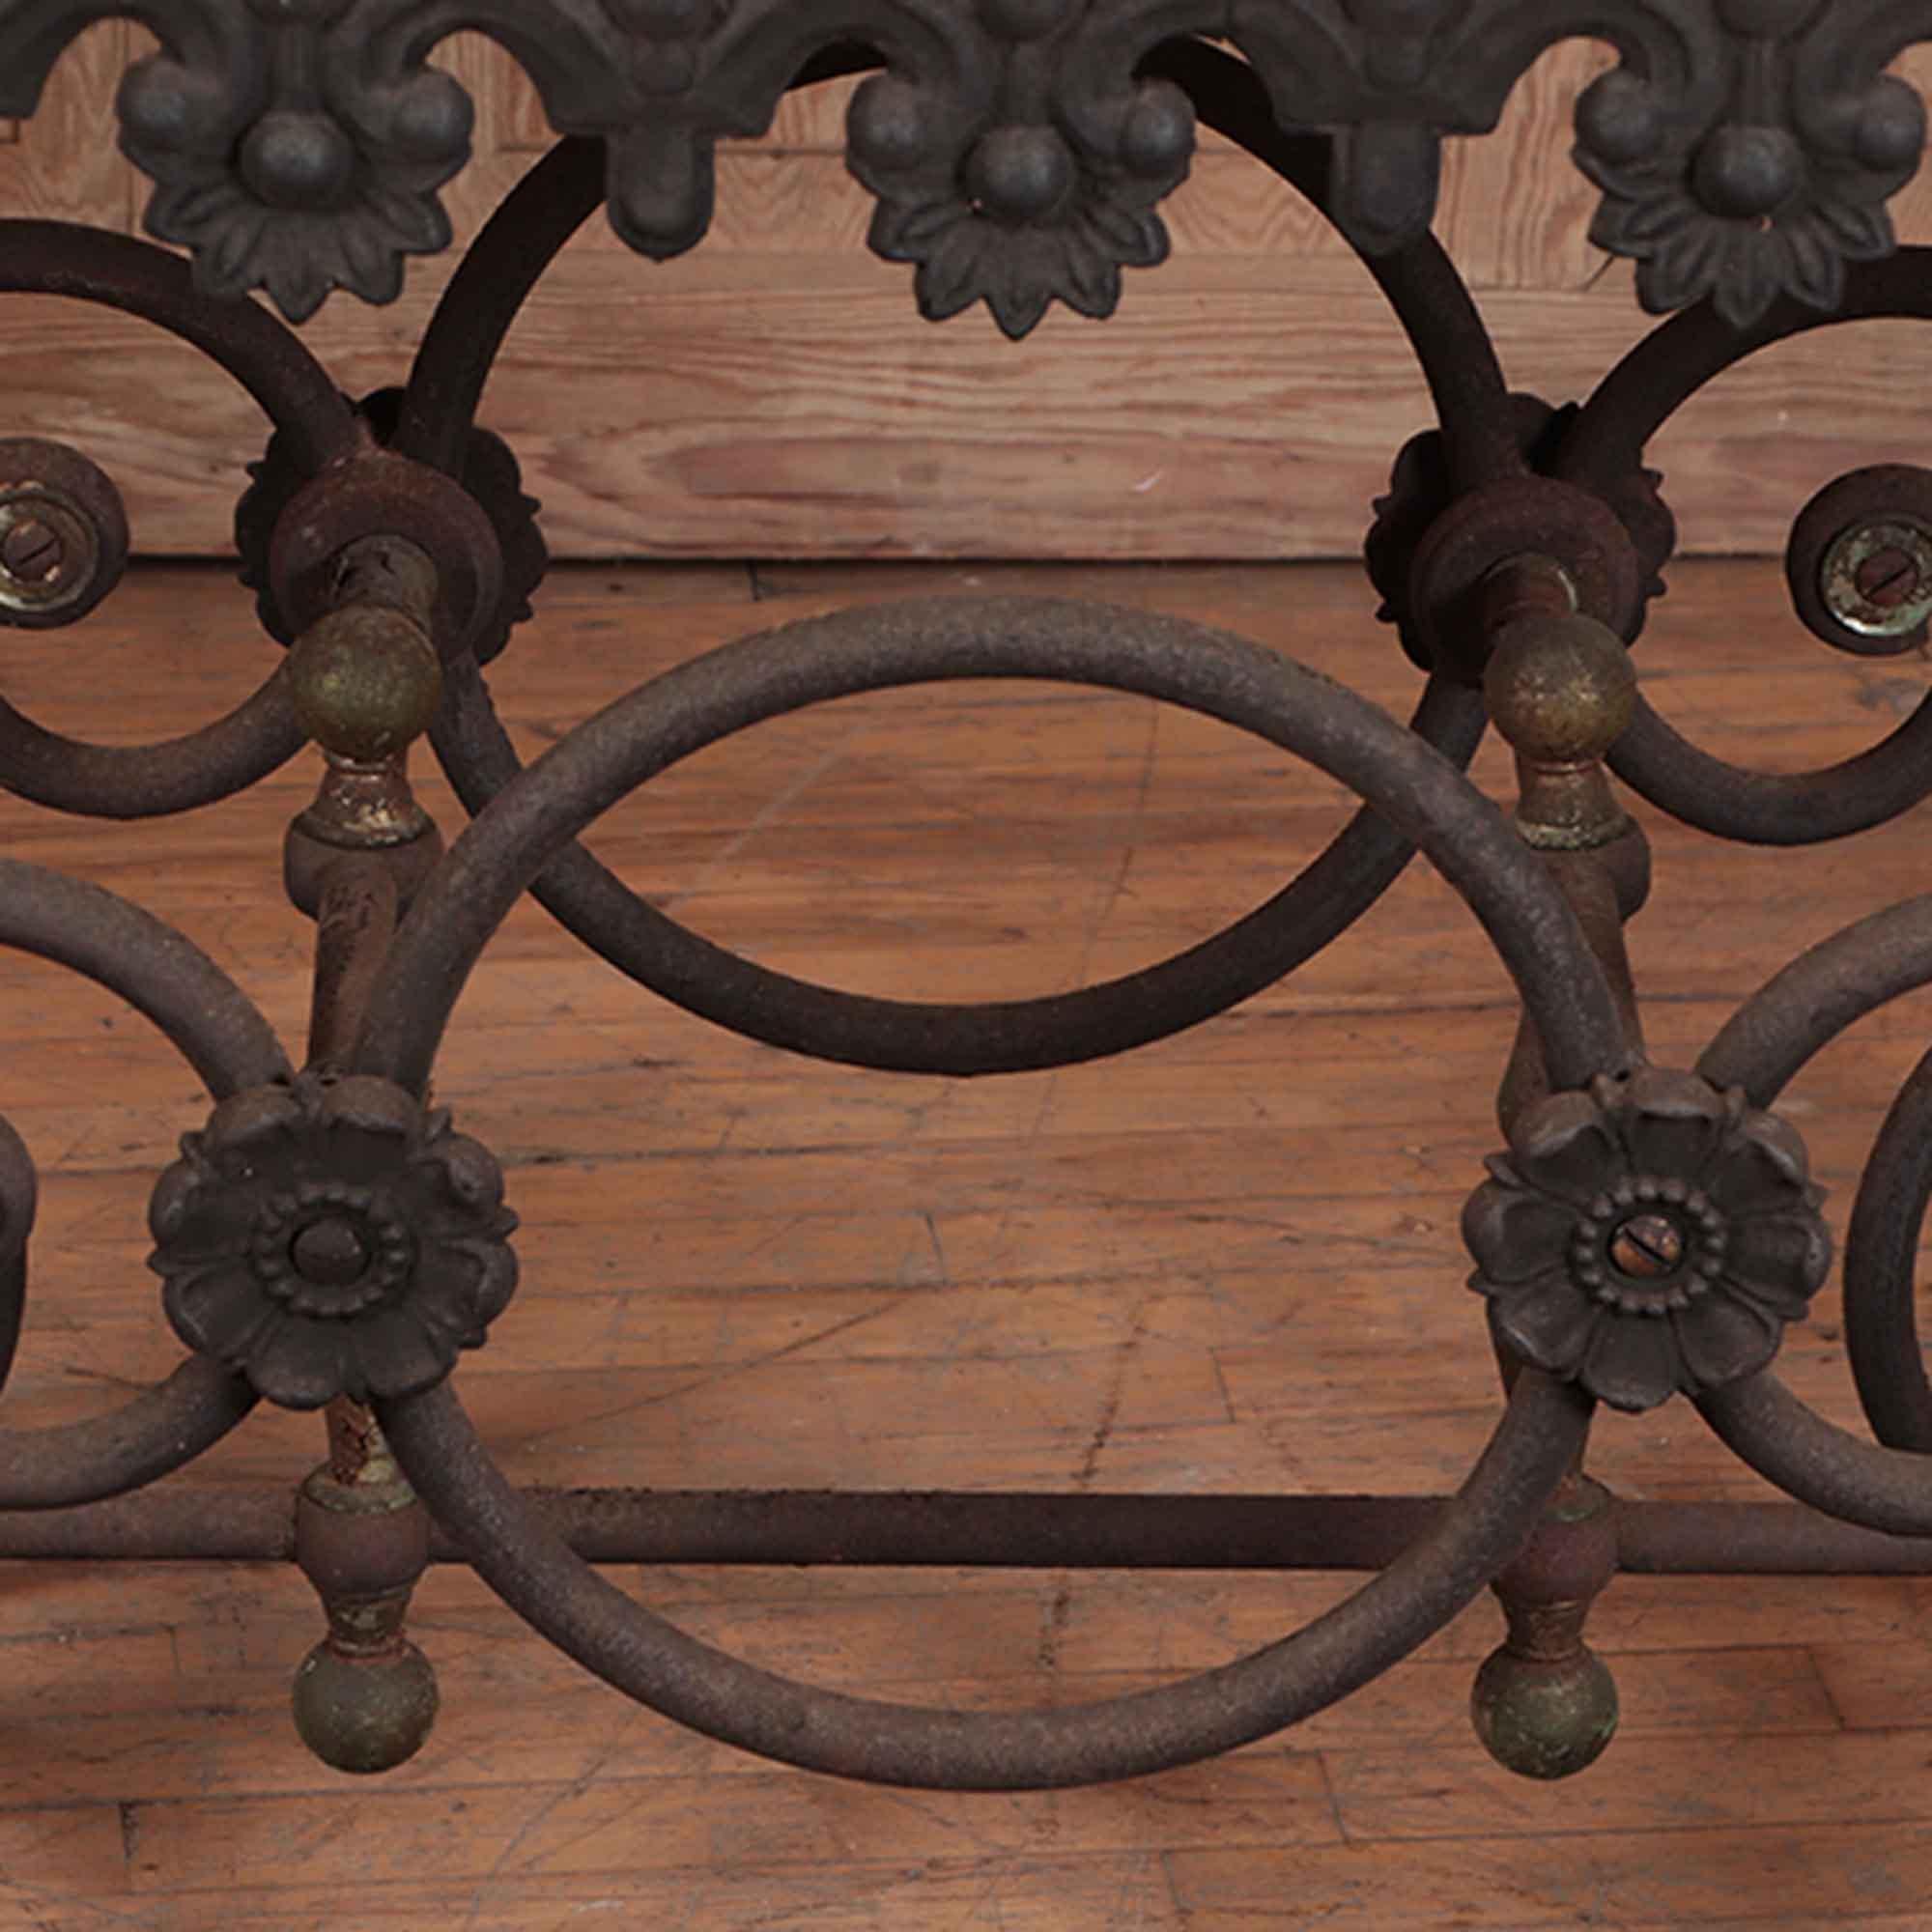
(1545,1718)
(1560,688)
(1545,1704)
(365,681)
(365,1713)
(364,1698)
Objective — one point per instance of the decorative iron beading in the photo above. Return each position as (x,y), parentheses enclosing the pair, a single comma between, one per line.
(1648,1236)
(1019,149)
(330,1237)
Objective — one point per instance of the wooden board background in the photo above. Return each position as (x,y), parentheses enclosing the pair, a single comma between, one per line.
(776,394)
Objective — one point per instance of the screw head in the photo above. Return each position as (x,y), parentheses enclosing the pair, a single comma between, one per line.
(31,551)
(1876,577)
(46,554)
(1647,1247)
(1888,578)
(62,533)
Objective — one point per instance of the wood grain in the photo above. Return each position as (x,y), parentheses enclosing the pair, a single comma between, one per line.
(723,424)
(63,165)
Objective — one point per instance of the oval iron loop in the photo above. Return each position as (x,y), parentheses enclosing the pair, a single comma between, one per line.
(1608,441)
(270,360)
(1775,1032)
(530,1567)
(171,981)
(1146,654)
(1003,1037)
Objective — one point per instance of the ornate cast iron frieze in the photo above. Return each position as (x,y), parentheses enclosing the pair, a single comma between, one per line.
(1020,150)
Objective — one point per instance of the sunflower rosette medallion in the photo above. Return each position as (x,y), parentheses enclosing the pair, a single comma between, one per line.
(330,1236)
(1646,1235)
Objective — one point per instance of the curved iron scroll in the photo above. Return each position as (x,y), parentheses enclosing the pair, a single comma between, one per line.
(186,995)
(1020,150)
(56,258)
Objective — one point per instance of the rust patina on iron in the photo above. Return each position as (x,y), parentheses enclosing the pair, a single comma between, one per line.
(328,1241)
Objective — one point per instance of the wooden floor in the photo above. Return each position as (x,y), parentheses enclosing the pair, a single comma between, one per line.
(1230,1261)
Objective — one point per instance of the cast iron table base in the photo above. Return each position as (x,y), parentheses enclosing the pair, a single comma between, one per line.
(328,1241)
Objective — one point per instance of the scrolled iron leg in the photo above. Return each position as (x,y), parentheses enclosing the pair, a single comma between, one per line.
(328,1241)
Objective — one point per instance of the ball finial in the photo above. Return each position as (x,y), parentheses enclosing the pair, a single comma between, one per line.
(1545,1718)
(1560,688)
(365,681)
(365,1713)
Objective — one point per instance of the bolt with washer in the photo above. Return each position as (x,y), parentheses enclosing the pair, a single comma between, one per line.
(1876,577)
(32,551)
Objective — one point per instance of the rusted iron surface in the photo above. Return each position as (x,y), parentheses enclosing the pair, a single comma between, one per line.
(1407,782)
(328,1240)
(1019,154)
(327,542)
(1794,1447)
(170,981)
(1882,1248)
(1648,1237)
(270,363)
(1606,446)
(186,1521)
(355,914)
(1607,885)
(365,1697)
(436,415)
(854,1737)
(330,1236)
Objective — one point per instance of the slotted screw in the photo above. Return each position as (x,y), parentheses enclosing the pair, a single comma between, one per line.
(1887,579)
(1647,1247)
(31,551)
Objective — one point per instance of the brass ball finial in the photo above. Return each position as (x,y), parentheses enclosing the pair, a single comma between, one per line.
(365,1713)
(365,680)
(1545,1718)
(1560,686)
